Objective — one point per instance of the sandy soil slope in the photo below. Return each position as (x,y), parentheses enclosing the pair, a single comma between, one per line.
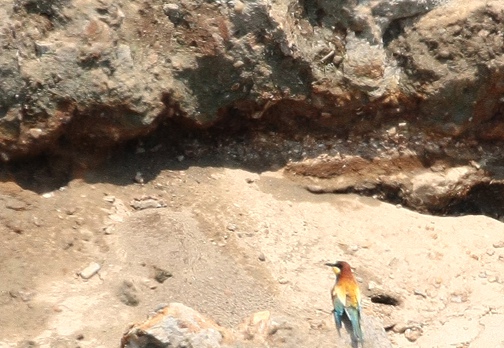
(236,242)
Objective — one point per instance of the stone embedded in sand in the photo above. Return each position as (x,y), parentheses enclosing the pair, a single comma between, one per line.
(160,275)
(499,244)
(139,178)
(90,270)
(413,334)
(400,327)
(147,203)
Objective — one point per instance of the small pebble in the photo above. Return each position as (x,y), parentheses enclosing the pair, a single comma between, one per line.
(108,229)
(392,131)
(412,334)
(170,7)
(238,64)
(315,189)
(174,13)
(420,293)
(372,285)
(261,257)
(456,299)
(71,210)
(493,279)
(160,275)
(139,178)
(86,235)
(283,280)
(499,244)
(15,226)
(337,60)
(90,270)
(444,54)
(147,203)
(239,6)
(110,199)
(400,328)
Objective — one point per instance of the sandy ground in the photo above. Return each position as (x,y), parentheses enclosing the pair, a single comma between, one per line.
(236,242)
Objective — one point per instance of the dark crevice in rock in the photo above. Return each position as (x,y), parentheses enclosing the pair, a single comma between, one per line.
(389,328)
(392,32)
(47,8)
(265,137)
(40,174)
(485,198)
(337,15)
(385,299)
(313,12)
(482,199)
(386,193)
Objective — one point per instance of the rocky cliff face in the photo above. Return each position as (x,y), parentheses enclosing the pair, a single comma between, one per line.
(85,74)
(411,79)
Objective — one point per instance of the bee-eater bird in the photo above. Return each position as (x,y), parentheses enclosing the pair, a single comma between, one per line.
(346,299)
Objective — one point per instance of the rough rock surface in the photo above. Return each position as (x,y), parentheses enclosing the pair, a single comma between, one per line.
(175,326)
(404,180)
(80,76)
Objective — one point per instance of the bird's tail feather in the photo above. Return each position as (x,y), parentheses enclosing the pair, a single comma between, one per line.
(354,316)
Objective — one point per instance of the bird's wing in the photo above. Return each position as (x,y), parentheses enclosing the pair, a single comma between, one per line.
(354,297)
(339,310)
(339,295)
(339,307)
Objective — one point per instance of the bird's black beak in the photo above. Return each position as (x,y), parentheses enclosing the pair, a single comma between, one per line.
(330,264)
